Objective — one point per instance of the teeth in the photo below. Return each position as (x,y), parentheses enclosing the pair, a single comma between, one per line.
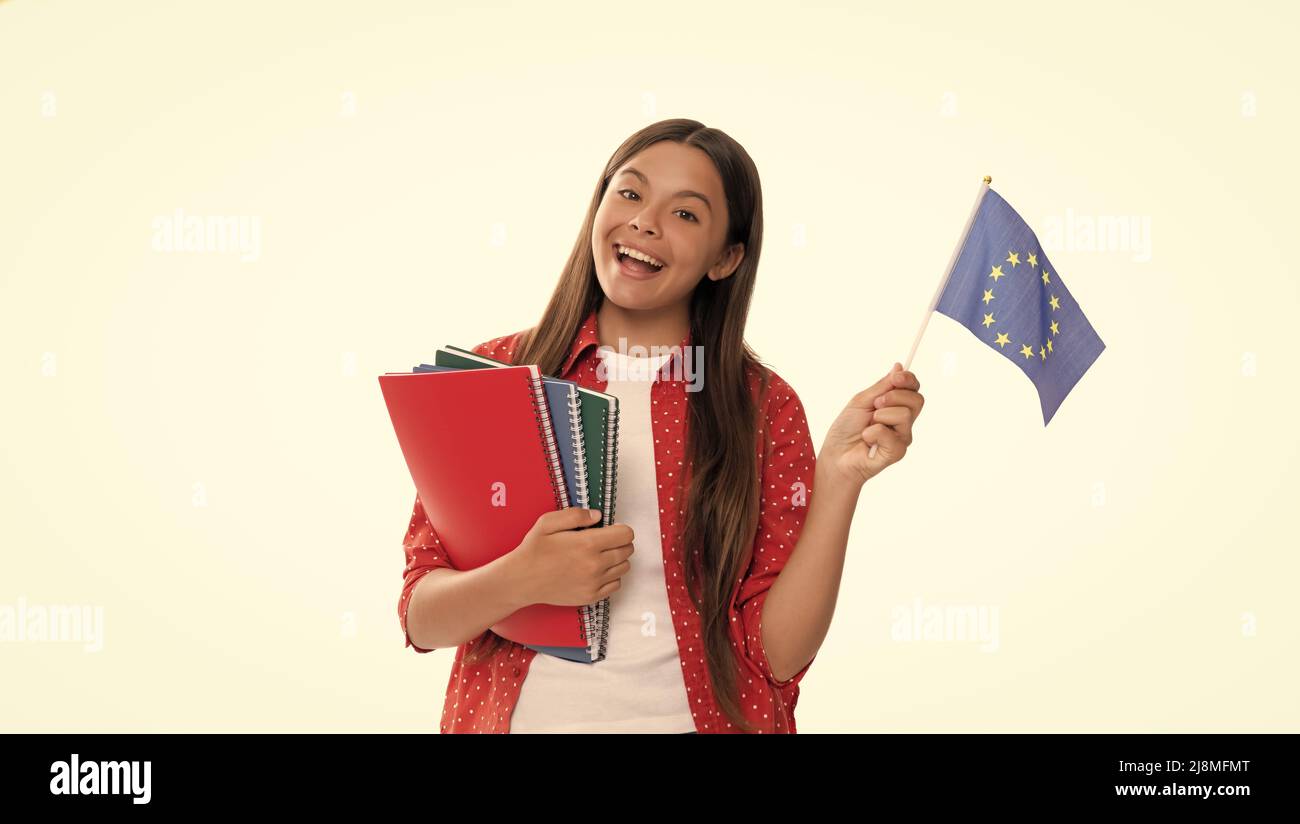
(640,256)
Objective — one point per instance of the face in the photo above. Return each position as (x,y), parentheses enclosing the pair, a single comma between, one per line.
(667,201)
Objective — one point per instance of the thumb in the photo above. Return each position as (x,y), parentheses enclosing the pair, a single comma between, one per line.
(574,517)
(864,399)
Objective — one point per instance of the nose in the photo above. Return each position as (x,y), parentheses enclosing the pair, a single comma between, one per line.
(640,221)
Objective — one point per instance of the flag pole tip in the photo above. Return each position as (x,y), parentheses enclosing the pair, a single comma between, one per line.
(988,179)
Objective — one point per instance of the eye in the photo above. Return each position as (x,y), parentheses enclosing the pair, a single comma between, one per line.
(692,218)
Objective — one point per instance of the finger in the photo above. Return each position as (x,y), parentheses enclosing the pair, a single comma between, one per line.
(890,444)
(900,397)
(887,442)
(615,572)
(905,380)
(898,417)
(610,537)
(560,520)
(617,554)
(608,589)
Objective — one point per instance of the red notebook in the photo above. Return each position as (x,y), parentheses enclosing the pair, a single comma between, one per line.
(483,456)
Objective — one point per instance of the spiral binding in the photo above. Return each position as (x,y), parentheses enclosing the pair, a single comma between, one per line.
(590,621)
(588,615)
(552,457)
(610,435)
(550,450)
(579,450)
(611,448)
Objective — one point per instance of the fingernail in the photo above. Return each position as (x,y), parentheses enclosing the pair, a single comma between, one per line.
(595,514)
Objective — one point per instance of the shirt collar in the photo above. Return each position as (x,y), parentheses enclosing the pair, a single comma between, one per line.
(588,337)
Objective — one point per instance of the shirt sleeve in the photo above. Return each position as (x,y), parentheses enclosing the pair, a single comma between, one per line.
(787,476)
(424,552)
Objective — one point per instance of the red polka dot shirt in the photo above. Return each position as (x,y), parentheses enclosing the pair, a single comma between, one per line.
(480,698)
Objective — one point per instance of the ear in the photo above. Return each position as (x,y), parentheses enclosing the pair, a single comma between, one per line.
(728,263)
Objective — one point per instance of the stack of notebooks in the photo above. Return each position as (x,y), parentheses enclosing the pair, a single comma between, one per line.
(491,447)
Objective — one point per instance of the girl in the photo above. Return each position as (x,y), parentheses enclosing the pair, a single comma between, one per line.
(723,567)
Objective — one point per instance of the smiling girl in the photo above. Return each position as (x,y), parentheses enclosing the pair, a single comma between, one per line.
(723,567)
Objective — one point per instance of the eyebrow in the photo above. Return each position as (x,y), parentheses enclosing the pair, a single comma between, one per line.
(682,193)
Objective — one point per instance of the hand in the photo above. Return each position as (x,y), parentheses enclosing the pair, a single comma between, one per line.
(881,414)
(565,560)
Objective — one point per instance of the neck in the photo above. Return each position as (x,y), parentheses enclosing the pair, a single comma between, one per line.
(649,328)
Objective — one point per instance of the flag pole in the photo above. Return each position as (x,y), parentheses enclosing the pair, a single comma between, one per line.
(952,263)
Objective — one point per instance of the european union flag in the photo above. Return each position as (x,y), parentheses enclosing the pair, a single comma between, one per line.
(1009,295)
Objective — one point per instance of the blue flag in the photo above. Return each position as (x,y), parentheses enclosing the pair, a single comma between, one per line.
(1008,294)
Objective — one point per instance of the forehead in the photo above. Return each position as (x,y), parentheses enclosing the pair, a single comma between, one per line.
(673,167)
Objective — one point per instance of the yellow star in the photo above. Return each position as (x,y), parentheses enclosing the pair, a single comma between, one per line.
(1056,329)
(988,296)
(1002,340)
(1056,303)
(988,321)
(1042,353)
(1049,344)
(1026,351)
(996,273)
(1013,259)
(1047,278)
(1033,259)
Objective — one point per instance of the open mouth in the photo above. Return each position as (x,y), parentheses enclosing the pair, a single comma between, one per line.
(636,264)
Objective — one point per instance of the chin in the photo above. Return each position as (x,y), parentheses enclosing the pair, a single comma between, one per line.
(621,298)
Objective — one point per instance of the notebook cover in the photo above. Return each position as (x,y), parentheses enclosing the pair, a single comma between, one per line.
(560,396)
(597,408)
(473,439)
(600,431)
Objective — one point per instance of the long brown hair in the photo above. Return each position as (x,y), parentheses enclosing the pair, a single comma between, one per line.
(720,509)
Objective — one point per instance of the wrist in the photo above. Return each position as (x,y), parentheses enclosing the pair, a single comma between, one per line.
(511,580)
(830,483)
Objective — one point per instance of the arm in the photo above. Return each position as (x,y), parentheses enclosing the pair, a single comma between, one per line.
(780,642)
(445,607)
(801,602)
(794,610)
(781,635)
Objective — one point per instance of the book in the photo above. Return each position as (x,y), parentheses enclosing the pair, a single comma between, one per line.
(484,458)
(563,401)
(599,412)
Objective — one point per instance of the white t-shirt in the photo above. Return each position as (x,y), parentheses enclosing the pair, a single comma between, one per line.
(639,686)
